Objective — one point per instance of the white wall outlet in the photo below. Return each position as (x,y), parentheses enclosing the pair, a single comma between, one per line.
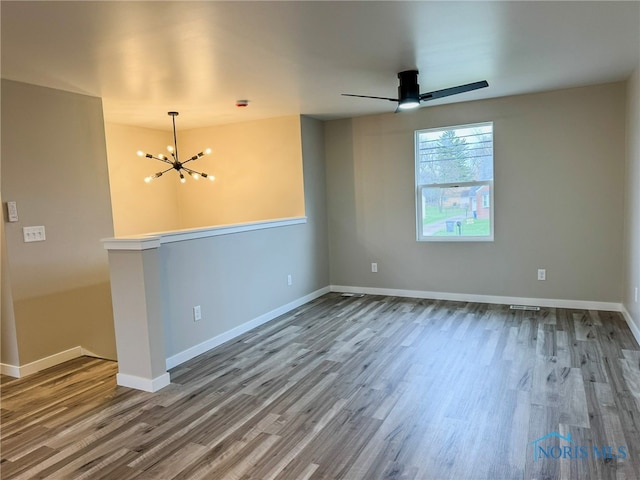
(542,274)
(197,313)
(289,280)
(374,267)
(12,211)
(33,234)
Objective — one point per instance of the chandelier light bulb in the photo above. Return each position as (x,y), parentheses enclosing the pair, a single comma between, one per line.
(151,177)
(207,151)
(140,153)
(195,175)
(211,177)
(170,148)
(182,179)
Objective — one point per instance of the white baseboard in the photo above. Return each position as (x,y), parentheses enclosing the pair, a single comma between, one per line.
(464,297)
(145,384)
(46,362)
(635,329)
(207,345)
(10,370)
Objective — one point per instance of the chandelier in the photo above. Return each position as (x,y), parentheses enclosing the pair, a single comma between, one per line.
(176,164)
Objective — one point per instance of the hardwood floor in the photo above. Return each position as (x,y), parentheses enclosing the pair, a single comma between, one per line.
(359,388)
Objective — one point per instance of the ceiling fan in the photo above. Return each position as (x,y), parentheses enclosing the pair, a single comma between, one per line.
(409,95)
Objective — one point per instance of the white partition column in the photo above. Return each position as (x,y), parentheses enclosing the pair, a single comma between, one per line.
(137,311)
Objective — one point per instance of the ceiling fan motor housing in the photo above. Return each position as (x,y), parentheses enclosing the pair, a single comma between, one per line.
(408,88)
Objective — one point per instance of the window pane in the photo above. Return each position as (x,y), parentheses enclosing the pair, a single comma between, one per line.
(461,154)
(456,211)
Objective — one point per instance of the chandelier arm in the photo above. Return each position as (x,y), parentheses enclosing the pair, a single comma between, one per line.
(195,157)
(148,155)
(167,170)
(193,172)
(165,160)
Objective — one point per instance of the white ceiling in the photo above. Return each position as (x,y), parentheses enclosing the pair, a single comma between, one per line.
(146,58)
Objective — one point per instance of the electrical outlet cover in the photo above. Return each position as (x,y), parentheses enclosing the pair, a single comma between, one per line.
(34,234)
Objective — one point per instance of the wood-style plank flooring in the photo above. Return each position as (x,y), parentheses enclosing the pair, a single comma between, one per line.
(358,388)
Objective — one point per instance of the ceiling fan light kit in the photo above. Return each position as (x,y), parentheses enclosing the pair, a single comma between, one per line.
(408,90)
(408,104)
(176,164)
(409,95)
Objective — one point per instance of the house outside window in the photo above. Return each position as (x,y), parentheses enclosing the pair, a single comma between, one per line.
(454,183)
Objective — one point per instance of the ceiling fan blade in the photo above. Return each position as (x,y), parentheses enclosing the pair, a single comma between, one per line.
(453,90)
(367,96)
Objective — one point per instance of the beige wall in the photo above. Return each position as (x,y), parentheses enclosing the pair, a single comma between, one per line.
(140,207)
(258,170)
(257,165)
(632,200)
(54,166)
(559,160)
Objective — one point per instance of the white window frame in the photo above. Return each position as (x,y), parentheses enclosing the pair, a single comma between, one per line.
(420,237)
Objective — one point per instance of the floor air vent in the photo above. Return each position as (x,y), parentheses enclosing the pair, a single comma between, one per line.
(524,307)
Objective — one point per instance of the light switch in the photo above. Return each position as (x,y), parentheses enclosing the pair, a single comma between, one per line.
(12,210)
(33,234)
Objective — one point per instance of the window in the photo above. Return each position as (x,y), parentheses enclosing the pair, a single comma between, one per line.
(454,183)
(485,200)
